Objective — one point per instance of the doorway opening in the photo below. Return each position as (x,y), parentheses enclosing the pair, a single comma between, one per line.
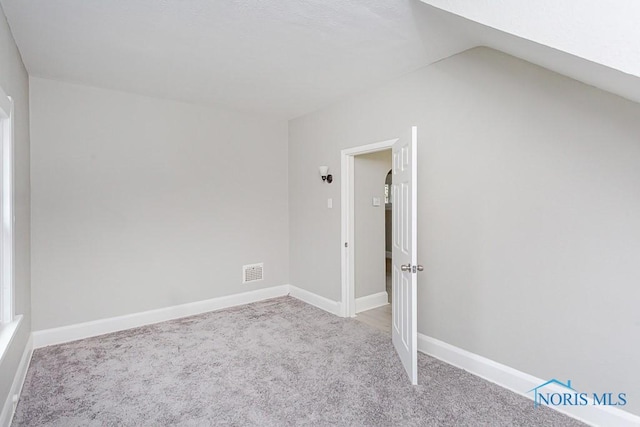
(364,215)
(371,198)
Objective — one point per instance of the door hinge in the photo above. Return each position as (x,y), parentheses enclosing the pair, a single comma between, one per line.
(346,244)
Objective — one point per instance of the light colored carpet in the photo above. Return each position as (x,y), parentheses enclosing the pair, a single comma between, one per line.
(273,363)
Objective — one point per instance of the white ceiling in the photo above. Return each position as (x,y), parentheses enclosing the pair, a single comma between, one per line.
(596,42)
(289,57)
(284,58)
(606,32)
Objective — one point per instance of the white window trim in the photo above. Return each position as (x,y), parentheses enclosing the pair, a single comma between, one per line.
(6,211)
(7,332)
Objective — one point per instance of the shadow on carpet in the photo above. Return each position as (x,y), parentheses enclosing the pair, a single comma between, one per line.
(272,363)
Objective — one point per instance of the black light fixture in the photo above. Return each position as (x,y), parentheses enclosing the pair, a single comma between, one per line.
(324,173)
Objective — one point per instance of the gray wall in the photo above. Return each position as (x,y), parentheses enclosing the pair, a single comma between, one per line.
(370,171)
(141,203)
(528,213)
(14,82)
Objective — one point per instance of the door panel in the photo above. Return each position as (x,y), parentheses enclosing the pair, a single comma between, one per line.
(404,307)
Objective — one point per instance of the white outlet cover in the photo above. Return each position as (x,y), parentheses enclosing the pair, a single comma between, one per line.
(376,201)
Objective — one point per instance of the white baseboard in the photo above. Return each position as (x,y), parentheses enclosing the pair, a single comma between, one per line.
(520,382)
(372,301)
(79,331)
(333,307)
(47,337)
(9,407)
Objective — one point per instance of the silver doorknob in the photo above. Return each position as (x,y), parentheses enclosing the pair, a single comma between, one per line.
(419,267)
(405,267)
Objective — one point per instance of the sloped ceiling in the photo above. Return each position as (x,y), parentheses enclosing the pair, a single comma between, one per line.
(606,32)
(286,58)
(593,41)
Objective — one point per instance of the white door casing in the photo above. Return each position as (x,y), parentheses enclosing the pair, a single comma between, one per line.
(348,306)
(404,265)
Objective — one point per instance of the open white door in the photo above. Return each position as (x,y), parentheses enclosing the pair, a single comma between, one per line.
(404,313)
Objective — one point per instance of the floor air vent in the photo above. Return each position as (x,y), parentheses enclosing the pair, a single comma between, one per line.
(252,273)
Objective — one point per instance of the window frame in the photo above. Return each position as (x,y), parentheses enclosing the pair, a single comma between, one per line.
(7,295)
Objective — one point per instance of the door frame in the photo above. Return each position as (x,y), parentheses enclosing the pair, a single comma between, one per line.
(347,162)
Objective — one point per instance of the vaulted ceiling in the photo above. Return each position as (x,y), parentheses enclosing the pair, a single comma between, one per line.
(593,41)
(283,58)
(604,32)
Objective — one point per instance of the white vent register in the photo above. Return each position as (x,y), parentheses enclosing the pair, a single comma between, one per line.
(252,273)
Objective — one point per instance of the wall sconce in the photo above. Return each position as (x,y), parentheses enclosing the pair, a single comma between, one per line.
(324,173)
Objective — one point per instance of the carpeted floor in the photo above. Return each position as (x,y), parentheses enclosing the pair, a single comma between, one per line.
(273,363)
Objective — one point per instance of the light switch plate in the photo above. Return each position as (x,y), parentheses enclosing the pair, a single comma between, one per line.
(330,203)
